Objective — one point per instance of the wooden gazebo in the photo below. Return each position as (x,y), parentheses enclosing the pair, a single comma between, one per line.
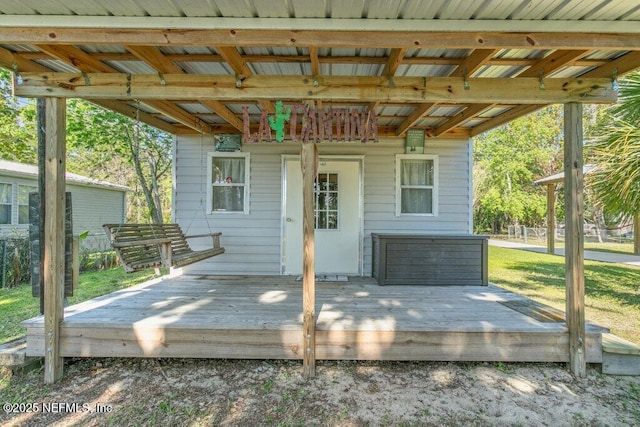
(453,68)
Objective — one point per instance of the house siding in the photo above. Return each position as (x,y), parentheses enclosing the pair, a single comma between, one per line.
(92,207)
(253,241)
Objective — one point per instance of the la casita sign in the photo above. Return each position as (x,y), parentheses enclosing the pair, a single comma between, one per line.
(312,124)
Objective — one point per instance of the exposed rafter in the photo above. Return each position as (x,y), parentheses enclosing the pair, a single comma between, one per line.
(155,58)
(467,114)
(76,58)
(506,117)
(414,117)
(221,110)
(473,62)
(394,61)
(553,62)
(315,61)
(232,57)
(181,116)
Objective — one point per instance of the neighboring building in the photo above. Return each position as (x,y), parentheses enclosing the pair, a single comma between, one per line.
(94,203)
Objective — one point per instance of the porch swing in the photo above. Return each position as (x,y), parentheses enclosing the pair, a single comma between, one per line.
(141,246)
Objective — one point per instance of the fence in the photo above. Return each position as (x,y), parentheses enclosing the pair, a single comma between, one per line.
(15,267)
(539,234)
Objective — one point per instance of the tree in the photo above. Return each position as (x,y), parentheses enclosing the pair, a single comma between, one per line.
(99,140)
(17,125)
(507,161)
(615,152)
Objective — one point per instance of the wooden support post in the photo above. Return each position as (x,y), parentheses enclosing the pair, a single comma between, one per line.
(54,236)
(308,267)
(574,237)
(551,218)
(636,234)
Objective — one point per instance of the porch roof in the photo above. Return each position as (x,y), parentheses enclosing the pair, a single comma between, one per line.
(454,68)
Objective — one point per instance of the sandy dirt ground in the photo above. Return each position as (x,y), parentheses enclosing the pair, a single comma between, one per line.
(124,392)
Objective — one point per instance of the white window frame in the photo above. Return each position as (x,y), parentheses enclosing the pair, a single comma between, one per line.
(211,184)
(434,188)
(11,202)
(34,188)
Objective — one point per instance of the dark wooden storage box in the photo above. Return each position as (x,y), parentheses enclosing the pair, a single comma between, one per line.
(415,259)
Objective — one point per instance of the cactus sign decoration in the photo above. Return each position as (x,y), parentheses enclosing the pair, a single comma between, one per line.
(317,124)
(276,122)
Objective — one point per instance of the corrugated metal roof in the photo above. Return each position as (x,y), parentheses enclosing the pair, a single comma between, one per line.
(350,9)
(370,59)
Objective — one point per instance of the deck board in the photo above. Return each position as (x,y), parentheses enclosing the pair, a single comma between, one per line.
(261,317)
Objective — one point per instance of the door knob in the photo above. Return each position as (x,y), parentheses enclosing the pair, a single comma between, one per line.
(289,219)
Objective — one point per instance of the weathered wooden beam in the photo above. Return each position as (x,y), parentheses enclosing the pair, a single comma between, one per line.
(420,111)
(221,110)
(383,131)
(617,67)
(308,164)
(574,238)
(155,59)
(505,117)
(473,62)
(553,62)
(181,116)
(76,58)
(323,88)
(551,218)
(394,61)
(135,114)
(413,60)
(54,235)
(625,37)
(467,114)
(237,63)
(315,61)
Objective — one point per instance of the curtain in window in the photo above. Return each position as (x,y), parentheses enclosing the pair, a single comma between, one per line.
(417,172)
(416,176)
(229,170)
(228,184)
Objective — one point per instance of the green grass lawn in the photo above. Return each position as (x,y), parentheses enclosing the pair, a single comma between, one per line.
(17,304)
(612,290)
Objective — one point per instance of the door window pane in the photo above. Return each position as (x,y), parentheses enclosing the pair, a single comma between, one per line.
(326,201)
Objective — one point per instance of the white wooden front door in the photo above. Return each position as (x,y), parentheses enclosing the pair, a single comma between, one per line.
(337,215)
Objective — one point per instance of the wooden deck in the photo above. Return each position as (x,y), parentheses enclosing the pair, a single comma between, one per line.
(261,318)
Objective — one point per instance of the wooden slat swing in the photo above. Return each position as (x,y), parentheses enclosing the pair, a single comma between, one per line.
(140,246)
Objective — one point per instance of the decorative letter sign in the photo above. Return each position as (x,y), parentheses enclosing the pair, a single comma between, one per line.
(316,125)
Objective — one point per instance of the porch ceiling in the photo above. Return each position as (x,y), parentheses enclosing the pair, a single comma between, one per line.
(453,67)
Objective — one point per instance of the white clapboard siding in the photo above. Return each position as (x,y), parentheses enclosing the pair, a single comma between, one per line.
(92,207)
(253,241)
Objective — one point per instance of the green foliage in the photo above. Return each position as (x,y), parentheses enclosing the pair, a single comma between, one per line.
(108,145)
(101,144)
(616,152)
(507,161)
(17,125)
